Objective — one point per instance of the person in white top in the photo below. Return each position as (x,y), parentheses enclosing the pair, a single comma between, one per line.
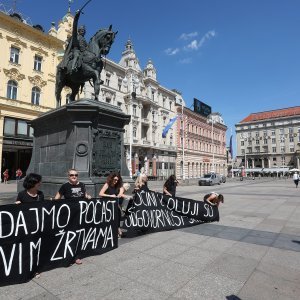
(296,178)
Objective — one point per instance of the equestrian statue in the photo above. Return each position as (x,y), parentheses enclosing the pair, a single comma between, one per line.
(82,61)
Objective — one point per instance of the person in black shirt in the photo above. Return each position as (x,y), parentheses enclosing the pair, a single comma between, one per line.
(170,186)
(31,184)
(113,188)
(214,199)
(73,188)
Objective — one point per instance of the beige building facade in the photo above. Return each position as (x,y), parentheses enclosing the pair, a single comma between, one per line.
(269,139)
(28,61)
(138,93)
(201,144)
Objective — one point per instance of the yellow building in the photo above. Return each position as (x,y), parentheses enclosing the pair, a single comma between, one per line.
(28,61)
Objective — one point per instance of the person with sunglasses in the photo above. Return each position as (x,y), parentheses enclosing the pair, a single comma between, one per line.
(73,188)
(113,188)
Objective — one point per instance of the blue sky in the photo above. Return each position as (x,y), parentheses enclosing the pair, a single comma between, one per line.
(237,56)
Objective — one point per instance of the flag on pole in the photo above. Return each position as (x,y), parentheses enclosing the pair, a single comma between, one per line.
(169,125)
(230,147)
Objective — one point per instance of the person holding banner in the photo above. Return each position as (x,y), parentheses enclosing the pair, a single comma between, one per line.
(141,183)
(70,190)
(113,188)
(73,188)
(31,184)
(214,199)
(170,186)
(5,176)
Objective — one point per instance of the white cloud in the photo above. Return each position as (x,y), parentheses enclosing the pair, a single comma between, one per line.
(195,45)
(187,36)
(187,60)
(171,51)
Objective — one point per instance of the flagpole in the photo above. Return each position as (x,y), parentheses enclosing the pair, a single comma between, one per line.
(231,154)
(183,174)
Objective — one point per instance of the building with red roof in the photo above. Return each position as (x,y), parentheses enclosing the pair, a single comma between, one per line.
(269,139)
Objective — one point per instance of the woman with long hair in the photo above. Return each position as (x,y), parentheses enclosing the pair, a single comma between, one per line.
(141,183)
(31,192)
(170,186)
(113,188)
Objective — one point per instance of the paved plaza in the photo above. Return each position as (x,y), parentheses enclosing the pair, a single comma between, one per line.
(252,253)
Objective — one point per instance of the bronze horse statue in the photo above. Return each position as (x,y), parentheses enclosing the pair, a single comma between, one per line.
(91,64)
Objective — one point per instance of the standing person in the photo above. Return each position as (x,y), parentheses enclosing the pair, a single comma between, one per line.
(170,186)
(113,188)
(296,178)
(5,176)
(73,189)
(31,192)
(141,183)
(19,174)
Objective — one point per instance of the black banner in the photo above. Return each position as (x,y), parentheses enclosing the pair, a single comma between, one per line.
(152,212)
(40,236)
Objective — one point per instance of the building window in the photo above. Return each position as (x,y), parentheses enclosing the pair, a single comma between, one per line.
(250,143)
(265,133)
(273,141)
(265,141)
(37,63)
(273,132)
(164,99)
(12,90)
(257,142)
(281,130)
(257,149)
(274,149)
(153,97)
(249,134)
(242,143)
(134,132)
(134,110)
(292,149)
(282,149)
(35,95)
(107,79)
(291,130)
(243,151)
(14,55)
(16,127)
(257,134)
(119,104)
(119,84)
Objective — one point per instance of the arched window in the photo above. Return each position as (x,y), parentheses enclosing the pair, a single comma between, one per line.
(35,95)
(12,90)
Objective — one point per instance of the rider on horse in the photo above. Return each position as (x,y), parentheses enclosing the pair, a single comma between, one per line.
(76,47)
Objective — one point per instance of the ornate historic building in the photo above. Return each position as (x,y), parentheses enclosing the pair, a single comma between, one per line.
(204,143)
(269,139)
(28,61)
(138,93)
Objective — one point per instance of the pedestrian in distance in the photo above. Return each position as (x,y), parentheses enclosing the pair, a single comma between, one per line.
(170,186)
(31,192)
(73,189)
(113,188)
(5,176)
(19,174)
(296,178)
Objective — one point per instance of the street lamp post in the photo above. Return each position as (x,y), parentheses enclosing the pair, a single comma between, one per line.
(131,84)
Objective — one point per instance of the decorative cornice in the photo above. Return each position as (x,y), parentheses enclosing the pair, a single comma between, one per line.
(17,41)
(39,50)
(14,74)
(37,81)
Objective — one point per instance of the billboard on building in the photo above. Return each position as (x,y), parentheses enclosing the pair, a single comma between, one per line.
(201,108)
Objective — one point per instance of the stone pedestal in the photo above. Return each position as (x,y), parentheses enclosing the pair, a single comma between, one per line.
(86,135)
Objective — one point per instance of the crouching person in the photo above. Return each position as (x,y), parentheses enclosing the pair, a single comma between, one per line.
(214,199)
